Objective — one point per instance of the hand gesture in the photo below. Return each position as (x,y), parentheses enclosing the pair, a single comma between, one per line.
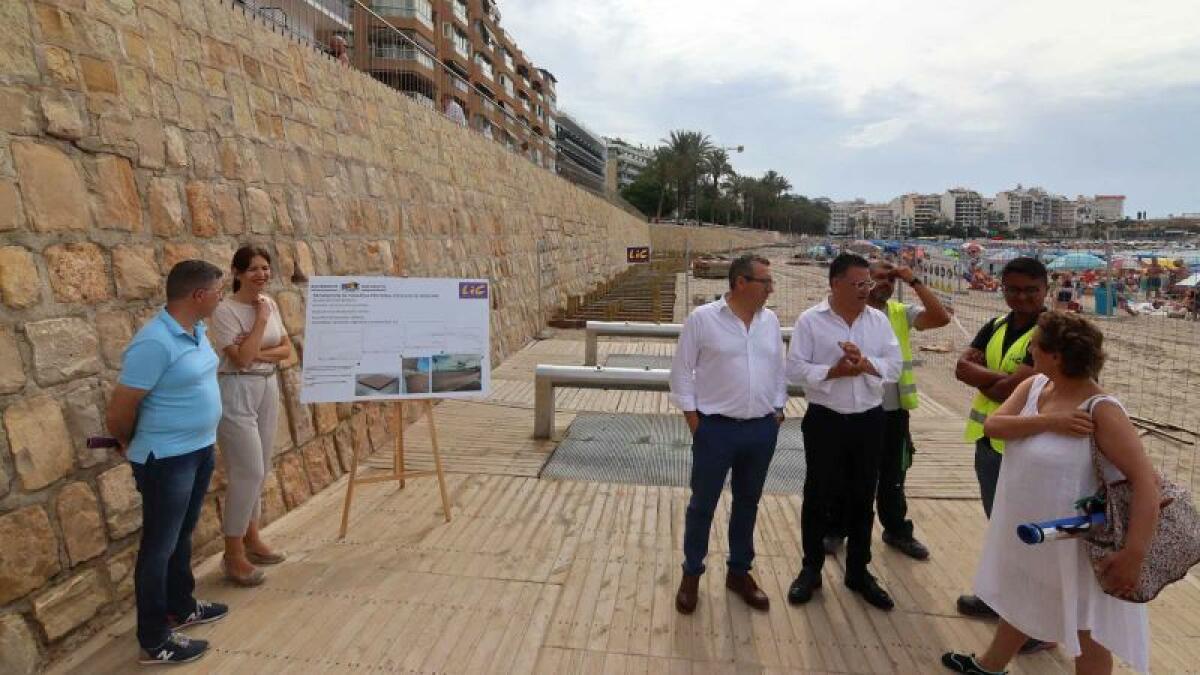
(851,351)
(1074,423)
(1119,572)
(262,309)
(903,273)
(845,367)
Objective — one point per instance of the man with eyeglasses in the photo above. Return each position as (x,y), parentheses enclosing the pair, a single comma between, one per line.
(996,362)
(727,378)
(842,352)
(164,413)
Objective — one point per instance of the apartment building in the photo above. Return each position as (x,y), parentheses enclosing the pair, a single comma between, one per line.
(1109,208)
(843,217)
(1024,207)
(314,20)
(629,159)
(455,56)
(963,207)
(581,155)
(915,210)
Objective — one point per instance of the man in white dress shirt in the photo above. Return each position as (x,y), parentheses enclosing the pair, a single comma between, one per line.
(727,378)
(842,351)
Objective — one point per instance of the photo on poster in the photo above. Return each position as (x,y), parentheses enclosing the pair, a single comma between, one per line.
(417,374)
(457,372)
(376,384)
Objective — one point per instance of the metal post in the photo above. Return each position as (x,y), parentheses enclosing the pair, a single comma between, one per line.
(687,277)
(543,408)
(540,289)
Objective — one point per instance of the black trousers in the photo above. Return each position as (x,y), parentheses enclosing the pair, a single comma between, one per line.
(842,452)
(890,501)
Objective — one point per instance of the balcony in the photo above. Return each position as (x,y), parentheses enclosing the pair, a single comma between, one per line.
(419,10)
(401,52)
(507,85)
(485,67)
(460,12)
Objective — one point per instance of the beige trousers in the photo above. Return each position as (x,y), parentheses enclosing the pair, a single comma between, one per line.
(246,435)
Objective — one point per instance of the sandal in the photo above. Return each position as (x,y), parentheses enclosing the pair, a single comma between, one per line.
(255,578)
(268,559)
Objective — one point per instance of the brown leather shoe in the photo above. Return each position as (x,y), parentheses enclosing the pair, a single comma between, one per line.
(688,593)
(744,586)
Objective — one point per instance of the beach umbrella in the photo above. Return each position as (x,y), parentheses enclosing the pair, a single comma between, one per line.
(1004,256)
(1124,260)
(1077,261)
(1191,281)
(863,246)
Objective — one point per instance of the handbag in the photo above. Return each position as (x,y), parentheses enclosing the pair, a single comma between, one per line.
(1174,546)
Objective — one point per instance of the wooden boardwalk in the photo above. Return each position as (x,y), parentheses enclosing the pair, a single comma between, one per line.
(575,577)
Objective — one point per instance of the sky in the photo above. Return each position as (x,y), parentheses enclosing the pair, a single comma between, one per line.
(872,99)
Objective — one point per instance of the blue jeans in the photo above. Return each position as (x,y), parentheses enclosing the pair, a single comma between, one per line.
(720,446)
(173,490)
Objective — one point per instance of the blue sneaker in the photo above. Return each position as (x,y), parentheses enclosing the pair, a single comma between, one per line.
(176,649)
(205,612)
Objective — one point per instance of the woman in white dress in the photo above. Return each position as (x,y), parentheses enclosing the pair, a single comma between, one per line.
(1049,591)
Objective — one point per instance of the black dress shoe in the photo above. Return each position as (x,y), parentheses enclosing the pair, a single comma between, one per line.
(866,586)
(909,546)
(971,605)
(801,590)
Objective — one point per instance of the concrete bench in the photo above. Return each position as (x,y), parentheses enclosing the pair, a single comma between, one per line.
(595,329)
(546,378)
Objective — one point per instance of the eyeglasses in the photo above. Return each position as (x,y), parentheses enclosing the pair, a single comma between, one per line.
(864,285)
(765,282)
(1022,290)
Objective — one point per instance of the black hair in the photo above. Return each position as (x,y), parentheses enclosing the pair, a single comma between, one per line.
(845,261)
(242,259)
(189,276)
(743,266)
(1030,267)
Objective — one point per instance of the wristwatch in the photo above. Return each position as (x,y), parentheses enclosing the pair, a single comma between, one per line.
(916,282)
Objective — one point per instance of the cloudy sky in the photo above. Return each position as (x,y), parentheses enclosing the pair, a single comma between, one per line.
(861,98)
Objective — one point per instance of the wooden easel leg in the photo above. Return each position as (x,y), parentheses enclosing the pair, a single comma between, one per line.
(398,456)
(437,460)
(349,493)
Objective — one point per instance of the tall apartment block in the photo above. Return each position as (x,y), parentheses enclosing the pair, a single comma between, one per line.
(630,159)
(453,55)
(582,156)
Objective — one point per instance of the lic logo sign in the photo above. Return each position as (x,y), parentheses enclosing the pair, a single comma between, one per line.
(637,254)
(472,290)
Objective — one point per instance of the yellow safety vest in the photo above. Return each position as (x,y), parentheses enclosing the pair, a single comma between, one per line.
(1005,362)
(898,316)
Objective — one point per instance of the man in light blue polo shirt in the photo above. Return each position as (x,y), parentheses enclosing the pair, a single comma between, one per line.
(164,412)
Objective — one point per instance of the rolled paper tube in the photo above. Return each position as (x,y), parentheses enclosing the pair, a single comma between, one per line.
(1062,528)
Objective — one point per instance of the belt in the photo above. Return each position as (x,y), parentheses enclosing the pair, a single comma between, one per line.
(248,374)
(736,420)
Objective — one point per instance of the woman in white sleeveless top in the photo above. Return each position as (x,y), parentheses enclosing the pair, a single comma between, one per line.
(1049,591)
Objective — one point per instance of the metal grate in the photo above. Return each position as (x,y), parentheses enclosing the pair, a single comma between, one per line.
(655,450)
(652,361)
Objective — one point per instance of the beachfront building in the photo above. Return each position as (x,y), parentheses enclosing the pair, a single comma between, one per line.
(1024,208)
(915,210)
(963,208)
(1109,208)
(629,160)
(582,157)
(843,217)
(455,57)
(1062,217)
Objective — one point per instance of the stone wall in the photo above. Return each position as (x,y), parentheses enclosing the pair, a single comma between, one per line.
(666,237)
(137,133)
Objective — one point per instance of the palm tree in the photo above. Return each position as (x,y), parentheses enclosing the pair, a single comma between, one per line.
(716,164)
(687,150)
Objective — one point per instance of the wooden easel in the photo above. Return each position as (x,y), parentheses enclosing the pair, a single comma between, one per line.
(398,473)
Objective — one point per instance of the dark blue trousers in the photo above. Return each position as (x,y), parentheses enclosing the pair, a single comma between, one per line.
(723,446)
(173,490)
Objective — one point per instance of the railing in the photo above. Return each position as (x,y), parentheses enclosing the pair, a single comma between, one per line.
(402,53)
(421,10)
(485,68)
(460,11)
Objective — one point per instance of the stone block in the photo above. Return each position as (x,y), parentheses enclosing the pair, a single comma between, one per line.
(78,273)
(122,501)
(326,417)
(60,66)
(18,648)
(200,205)
(38,440)
(316,464)
(272,505)
(260,211)
(29,556)
(57,26)
(238,160)
(136,90)
(120,206)
(283,433)
(229,209)
(136,271)
(12,212)
(151,142)
(55,196)
(19,285)
(304,261)
(166,209)
(18,112)
(16,49)
(12,368)
(82,408)
(343,442)
(115,330)
(63,116)
(203,154)
(69,605)
(99,75)
(176,147)
(63,349)
(298,416)
(176,253)
(291,311)
(120,571)
(82,526)
(292,481)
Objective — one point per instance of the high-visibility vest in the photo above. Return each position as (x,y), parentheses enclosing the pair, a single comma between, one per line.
(1005,362)
(898,316)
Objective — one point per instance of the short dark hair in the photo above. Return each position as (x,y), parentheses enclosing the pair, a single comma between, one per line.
(743,266)
(1030,267)
(189,276)
(845,261)
(242,259)
(1075,339)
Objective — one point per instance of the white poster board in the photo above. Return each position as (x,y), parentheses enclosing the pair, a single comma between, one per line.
(387,338)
